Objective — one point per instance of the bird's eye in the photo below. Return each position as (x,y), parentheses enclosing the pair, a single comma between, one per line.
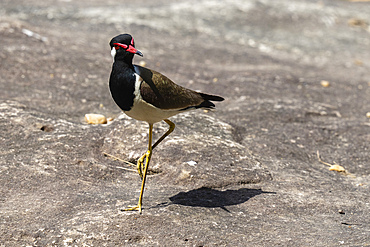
(118,45)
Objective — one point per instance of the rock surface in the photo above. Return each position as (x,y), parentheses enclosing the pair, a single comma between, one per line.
(246,174)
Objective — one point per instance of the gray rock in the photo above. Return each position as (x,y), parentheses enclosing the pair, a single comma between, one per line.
(202,151)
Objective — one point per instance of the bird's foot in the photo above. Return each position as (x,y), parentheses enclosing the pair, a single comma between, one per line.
(133,208)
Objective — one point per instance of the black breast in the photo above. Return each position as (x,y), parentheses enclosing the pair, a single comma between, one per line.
(122,86)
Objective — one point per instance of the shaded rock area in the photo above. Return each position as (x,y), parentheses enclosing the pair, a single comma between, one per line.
(254,172)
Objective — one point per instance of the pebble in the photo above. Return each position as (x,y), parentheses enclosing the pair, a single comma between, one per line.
(95,118)
(325,83)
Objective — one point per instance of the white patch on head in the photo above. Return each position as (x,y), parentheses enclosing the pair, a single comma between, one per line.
(113,53)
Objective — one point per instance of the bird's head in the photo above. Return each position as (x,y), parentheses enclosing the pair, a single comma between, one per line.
(123,47)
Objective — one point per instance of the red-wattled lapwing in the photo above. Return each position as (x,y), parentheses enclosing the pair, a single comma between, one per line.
(149,96)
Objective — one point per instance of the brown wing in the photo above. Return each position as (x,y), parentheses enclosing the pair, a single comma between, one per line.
(161,92)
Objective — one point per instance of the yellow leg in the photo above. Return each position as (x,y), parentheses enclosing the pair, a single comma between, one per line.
(140,162)
(169,131)
(140,165)
(147,155)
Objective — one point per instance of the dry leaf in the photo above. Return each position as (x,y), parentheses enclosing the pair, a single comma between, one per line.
(337,168)
(334,167)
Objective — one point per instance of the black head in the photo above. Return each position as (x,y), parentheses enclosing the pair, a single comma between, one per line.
(123,47)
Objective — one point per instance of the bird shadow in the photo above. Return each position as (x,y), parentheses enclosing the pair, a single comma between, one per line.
(211,198)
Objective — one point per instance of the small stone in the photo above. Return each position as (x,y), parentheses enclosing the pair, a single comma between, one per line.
(95,119)
(325,83)
(368,114)
(191,163)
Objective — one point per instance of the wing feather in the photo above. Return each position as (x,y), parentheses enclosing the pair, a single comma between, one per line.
(161,92)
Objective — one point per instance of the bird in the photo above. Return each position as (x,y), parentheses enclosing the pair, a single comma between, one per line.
(147,95)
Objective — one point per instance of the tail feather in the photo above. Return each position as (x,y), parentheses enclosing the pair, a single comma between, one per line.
(207,101)
(211,97)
